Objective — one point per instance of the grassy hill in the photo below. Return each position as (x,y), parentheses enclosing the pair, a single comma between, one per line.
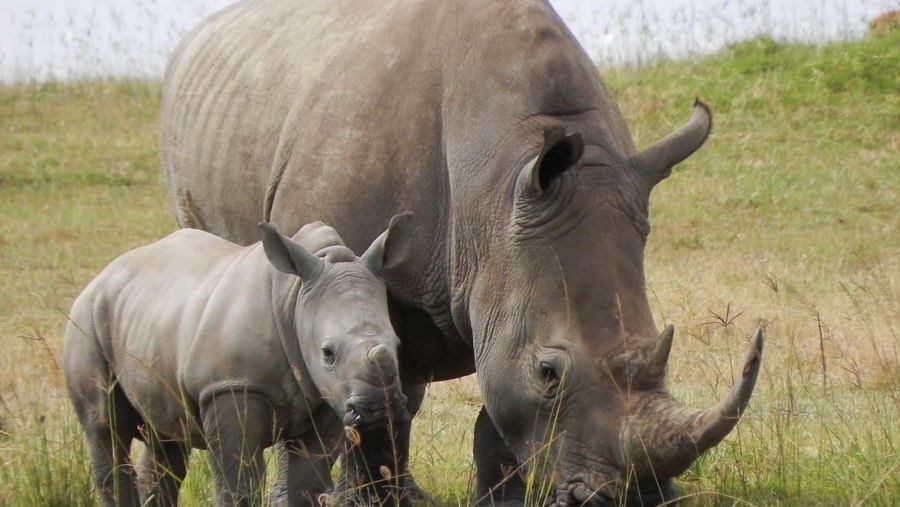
(789,217)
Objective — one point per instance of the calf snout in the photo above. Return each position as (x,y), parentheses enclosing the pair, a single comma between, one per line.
(370,406)
(382,364)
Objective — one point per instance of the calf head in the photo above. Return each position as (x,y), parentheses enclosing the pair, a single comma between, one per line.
(340,319)
(571,365)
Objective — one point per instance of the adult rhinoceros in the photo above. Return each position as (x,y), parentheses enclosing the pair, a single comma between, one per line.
(489,122)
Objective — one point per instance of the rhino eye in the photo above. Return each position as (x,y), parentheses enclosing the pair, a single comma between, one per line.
(328,354)
(551,378)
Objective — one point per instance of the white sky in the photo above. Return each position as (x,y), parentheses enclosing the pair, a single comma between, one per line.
(61,39)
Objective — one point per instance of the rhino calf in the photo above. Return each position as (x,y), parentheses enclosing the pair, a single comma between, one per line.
(196,342)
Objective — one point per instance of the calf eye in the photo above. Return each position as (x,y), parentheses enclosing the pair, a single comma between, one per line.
(328,354)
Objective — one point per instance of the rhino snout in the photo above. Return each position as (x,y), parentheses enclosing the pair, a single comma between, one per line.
(578,493)
(374,406)
(383,362)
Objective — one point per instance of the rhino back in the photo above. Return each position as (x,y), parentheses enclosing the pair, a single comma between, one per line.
(349,111)
(281,95)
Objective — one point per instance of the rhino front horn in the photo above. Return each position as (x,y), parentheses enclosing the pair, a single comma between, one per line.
(720,419)
(663,438)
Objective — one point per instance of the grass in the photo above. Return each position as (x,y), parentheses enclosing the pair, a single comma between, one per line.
(788,217)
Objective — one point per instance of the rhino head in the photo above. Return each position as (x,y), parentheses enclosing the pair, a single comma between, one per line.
(341,319)
(570,363)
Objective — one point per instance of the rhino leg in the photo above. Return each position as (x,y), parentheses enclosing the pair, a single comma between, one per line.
(498,481)
(415,395)
(376,472)
(163,468)
(369,473)
(236,426)
(107,417)
(304,463)
(310,470)
(109,440)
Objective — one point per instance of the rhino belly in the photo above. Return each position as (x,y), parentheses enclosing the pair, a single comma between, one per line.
(146,369)
(164,410)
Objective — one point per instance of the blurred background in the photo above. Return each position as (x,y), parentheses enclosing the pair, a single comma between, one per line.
(43,40)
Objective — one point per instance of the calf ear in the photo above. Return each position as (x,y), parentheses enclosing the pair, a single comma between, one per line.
(559,153)
(392,246)
(287,255)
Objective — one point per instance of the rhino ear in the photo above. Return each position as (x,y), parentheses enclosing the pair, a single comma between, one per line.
(392,246)
(656,162)
(559,153)
(287,255)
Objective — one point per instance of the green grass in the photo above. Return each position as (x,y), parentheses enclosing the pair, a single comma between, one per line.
(787,217)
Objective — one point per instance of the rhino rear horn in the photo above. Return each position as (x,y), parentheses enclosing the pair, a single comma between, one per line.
(287,255)
(656,366)
(656,162)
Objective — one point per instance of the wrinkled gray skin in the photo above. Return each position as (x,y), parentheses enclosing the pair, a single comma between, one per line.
(193,341)
(489,122)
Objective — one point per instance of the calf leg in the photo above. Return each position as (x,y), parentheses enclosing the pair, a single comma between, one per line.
(164,466)
(303,474)
(304,464)
(236,426)
(371,464)
(376,470)
(108,419)
(109,440)
(310,472)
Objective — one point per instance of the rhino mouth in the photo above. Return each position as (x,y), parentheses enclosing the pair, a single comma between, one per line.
(367,411)
(577,493)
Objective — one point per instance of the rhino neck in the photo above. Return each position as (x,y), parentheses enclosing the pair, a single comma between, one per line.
(285,295)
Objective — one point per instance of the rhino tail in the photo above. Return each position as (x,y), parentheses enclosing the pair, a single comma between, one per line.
(279,168)
(187,214)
